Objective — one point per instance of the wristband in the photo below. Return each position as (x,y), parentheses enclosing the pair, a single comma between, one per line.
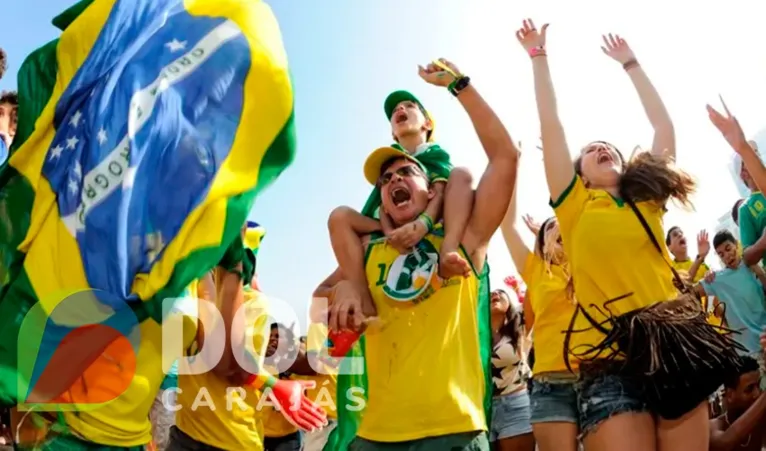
(537,51)
(458,84)
(630,64)
(267,380)
(427,221)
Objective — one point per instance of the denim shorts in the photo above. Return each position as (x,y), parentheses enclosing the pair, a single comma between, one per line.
(604,396)
(553,401)
(510,416)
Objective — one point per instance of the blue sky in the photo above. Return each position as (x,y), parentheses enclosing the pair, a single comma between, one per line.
(346,56)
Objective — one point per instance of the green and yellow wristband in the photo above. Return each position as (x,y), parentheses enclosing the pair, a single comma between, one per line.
(427,221)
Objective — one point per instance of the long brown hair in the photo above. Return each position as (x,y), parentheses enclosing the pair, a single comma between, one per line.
(512,327)
(650,177)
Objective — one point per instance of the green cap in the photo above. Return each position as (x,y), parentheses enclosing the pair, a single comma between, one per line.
(397,97)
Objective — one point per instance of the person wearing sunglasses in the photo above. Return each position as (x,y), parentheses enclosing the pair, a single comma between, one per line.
(428,367)
(412,128)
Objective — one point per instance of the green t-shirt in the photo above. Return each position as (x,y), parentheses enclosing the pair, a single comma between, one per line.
(752,220)
(437,163)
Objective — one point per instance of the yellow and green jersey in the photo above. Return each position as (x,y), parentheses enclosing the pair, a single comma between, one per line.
(752,220)
(413,389)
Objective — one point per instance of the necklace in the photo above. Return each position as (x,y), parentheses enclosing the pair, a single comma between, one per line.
(749,436)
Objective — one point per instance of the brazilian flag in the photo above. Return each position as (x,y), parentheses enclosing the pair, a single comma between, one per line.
(146,131)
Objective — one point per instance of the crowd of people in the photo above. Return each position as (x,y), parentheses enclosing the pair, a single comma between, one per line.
(618,338)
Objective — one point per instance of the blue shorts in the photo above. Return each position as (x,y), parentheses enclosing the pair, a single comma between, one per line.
(510,416)
(553,401)
(605,396)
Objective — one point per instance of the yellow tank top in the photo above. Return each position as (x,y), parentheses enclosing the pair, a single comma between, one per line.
(216,414)
(428,365)
(553,308)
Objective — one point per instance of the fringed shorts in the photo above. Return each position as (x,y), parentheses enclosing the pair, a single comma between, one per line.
(665,358)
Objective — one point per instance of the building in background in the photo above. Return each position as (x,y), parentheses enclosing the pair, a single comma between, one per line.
(734,164)
(726,222)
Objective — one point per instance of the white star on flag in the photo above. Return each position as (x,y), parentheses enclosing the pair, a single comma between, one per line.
(75,119)
(71,143)
(77,170)
(56,152)
(101,136)
(73,186)
(176,45)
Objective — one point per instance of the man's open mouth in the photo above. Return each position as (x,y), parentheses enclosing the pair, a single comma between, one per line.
(400,196)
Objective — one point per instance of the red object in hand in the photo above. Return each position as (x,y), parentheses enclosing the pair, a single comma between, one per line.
(342,341)
(296,407)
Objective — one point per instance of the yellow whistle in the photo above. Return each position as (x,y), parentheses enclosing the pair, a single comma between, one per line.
(445,68)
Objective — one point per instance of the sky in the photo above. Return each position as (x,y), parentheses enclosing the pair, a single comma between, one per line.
(346,56)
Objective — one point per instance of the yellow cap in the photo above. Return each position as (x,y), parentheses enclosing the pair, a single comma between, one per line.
(380,156)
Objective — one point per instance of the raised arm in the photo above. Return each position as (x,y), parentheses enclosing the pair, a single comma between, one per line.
(664,142)
(703,249)
(740,429)
(511,234)
(496,185)
(729,127)
(559,169)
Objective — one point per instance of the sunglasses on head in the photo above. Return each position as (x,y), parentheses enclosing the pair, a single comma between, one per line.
(404,171)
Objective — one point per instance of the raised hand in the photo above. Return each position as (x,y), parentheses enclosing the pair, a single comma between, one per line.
(703,244)
(531,224)
(529,37)
(439,73)
(617,48)
(729,126)
(296,407)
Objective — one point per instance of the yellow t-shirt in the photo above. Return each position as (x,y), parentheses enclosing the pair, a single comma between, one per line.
(426,363)
(684,267)
(683,270)
(216,414)
(553,308)
(324,394)
(610,255)
(124,421)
